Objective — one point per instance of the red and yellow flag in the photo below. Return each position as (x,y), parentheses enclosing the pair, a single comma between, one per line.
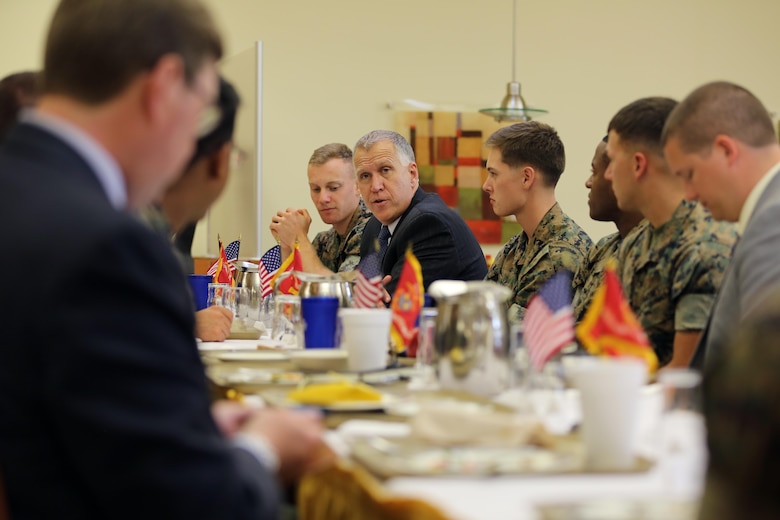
(408,299)
(223,273)
(291,284)
(610,327)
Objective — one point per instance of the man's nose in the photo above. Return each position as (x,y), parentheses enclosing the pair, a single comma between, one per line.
(486,187)
(690,192)
(377,183)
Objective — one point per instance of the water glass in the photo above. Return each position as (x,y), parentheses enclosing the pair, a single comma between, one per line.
(287,325)
(217,292)
(683,456)
(425,368)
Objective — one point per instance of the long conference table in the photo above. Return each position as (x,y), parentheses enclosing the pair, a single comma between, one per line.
(667,490)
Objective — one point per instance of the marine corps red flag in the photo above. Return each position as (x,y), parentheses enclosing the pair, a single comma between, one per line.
(610,327)
(291,284)
(408,299)
(223,273)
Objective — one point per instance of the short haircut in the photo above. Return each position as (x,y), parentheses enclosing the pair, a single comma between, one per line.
(531,143)
(220,133)
(95,48)
(330,151)
(719,108)
(402,146)
(641,122)
(17,91)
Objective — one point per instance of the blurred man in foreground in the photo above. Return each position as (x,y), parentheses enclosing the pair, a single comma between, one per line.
(403,215)
(671,267)
(334,192)
(106,411)
(721,143)
(188,199)
(741,392)
(526,161)
(604,208)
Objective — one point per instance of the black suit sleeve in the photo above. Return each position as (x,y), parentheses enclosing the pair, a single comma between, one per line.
(128,396)
(433,245)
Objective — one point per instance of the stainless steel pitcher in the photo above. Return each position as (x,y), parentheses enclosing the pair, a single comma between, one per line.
(472,336)
(321,285)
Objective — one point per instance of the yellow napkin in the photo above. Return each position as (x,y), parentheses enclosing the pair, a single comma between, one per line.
(329,393)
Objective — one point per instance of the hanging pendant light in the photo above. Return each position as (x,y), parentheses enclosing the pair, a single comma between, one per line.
(513,106)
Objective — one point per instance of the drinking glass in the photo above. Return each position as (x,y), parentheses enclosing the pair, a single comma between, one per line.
(286,324)
(683,456)
(424,377)
(217,293)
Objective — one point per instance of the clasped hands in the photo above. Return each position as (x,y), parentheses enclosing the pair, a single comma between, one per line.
(290,225)
(295,435)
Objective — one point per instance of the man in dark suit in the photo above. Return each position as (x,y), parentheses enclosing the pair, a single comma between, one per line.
(404,214)
(720,140)
(104,403)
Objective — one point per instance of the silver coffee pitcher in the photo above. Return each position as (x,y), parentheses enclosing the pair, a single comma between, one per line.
(472,336)
(320,285)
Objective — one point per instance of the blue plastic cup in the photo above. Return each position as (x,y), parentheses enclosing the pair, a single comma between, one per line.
(200,289)
(319,318)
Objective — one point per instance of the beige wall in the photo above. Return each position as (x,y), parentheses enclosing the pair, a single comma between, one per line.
(331,67)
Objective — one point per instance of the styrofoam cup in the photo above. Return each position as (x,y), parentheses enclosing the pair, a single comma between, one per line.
(609,392)
(365,336)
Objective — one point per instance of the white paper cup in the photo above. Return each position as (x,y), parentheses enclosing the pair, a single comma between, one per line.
(609,392)
(365,336)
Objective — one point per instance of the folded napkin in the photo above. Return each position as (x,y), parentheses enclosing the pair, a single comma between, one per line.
(330,393)
(464,424)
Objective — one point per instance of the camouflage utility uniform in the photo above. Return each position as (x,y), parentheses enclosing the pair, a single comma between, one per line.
(558,243)
(339,253)
(671,274)
(590,275)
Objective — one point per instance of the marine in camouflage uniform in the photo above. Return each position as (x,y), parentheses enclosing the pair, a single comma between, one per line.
(558,243)
(589,277)
(671,274)
(340,254)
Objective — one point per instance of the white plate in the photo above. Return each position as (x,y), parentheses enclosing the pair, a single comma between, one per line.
(253,355)
(230,345)
(321,360)
(359,406)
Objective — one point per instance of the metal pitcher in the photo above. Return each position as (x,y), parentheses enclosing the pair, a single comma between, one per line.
(320,285)
(472,336)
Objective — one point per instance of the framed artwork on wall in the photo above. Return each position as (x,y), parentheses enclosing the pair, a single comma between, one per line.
(451,157)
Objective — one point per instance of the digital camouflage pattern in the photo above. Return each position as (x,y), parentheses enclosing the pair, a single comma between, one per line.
(590,275)
(670,275)
(558,243)
(340,254)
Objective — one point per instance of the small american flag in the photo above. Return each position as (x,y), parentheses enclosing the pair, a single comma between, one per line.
(231,251)
(268,265)
(549,320)
(231,254)
(368,283)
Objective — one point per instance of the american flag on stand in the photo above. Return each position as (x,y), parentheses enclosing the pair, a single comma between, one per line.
(549,320)
(231,253)
(268,265)
(368,283)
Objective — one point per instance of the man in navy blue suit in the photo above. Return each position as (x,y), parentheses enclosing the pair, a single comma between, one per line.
(404,214)
(104,403)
